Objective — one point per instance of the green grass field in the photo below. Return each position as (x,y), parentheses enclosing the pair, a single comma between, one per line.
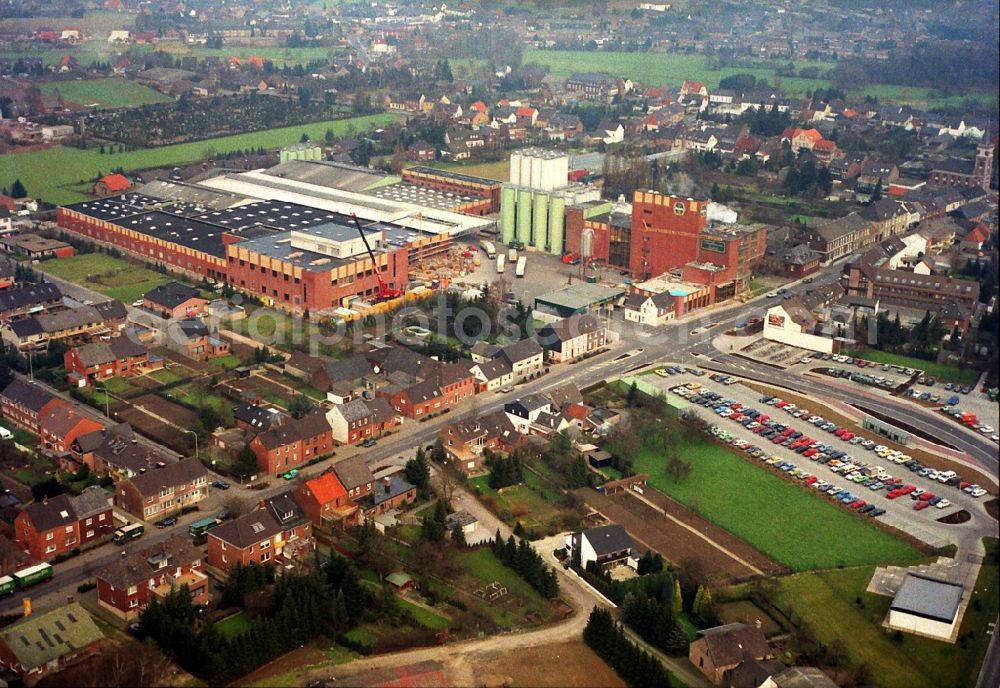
(234,625)
(56,174)
(827,601)
(659,69)
(113,92)
(784,521)
(425,618)
(942,372)
(111,276)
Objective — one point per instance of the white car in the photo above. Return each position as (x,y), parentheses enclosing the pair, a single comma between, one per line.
(943,504)
(772,294)
(978,492)
(987,430)
(806,360)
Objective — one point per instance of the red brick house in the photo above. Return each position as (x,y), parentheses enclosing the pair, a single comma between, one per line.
(24,403)
(465,441)
(276,532)
(99,361)
(456,383)
(56,526)
(292,444)
(163,491)
(43,644)
(112,184)
(324,501)
(356,477)
(60,425)
(389,493)
(174,300)
(127,585)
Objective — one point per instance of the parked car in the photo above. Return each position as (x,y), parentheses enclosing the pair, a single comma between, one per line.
(220,485)
(166,522)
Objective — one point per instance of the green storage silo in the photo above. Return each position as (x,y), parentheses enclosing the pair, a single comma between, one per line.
(540,218)
(524,216)
(557,224)
(508,201)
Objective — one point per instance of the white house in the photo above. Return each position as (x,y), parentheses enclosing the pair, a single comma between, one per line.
(791,323)
(608,546)
(651,311)
(524,412)
(118,36)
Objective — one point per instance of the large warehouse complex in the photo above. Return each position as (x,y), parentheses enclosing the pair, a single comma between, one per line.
(286,235)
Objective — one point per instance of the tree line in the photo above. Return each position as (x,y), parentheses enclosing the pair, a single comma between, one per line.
(527,563)
(636,666)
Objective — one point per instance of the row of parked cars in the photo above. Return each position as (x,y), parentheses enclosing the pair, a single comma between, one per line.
(863,378)
(762,424)
(969,420)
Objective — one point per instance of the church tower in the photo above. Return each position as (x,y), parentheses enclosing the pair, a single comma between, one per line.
(984,161)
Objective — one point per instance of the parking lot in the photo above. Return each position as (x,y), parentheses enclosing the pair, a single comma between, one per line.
(776,353)
(842,475)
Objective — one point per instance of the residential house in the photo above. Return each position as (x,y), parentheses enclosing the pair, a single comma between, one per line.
(525,357)
(46,643)
(605,546)
(73,325)
(190,337)
(274,533)
(526,410)
(127,585)
(719,651)
(56,526)
(256,418)
(492,374)
(24,403)
(292,444)
(325,502)
(465,441)
(60,425)
(175,300)
(99,361)
(163,491)
(388,494)
(841,237)
(356,477)
(115,451)
(20,301)
(799,261)
(570,338)
(888,217)
(111,185)
(352,422)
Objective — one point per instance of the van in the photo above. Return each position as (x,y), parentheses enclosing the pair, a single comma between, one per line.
(5,434)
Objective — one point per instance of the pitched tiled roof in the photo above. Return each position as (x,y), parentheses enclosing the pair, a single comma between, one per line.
(728,644)
(136,567)
(171,294)
(307,427)
(353,472)
(27,394)
(176,473)
(29,295)
(326,488)
(51,513)
(42,638)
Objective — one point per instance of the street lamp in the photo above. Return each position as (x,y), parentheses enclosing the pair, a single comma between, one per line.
(195,442)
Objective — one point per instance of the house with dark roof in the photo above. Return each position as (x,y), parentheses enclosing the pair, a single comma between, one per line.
(127,585)
(190,337)
(24,403)
(523,358)
(30,298)
(163,490)
(274,533)
(352,422)
(98,361)
(718,652)
(570,338)
(466,440)
(356,476)
(606,546)
(46,643)
(174,300)
(63,523)
(115,451)
(292,444)
(524,411)
(388,493)
(926,606)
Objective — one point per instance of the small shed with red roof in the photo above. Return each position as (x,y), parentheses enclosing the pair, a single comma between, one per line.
(111,184)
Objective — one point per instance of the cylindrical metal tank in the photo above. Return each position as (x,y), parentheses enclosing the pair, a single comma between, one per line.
(523,233)
(515,167)
(536,173)
(562,171)
(586,244)
(508,203)
(540,218)
(525,170)
(557,224)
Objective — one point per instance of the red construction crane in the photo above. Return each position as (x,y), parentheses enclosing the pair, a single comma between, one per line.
(385,292)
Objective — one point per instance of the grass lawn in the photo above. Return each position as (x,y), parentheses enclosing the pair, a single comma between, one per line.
(52,174)
(424,617)
(234,625)
(226,362)
(165,377)
(111,276)
(942,371)
(118,386)
(110,92)
(782,520)
(827,601)
(521,503)
(484,568)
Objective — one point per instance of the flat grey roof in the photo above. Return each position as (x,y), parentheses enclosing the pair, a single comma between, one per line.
(928,598)
(579,296)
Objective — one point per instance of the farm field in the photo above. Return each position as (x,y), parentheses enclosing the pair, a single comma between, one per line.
(941,371)
(112,92)
(827,601)
(111,276)
(55,174)
(668,69)
(791,525)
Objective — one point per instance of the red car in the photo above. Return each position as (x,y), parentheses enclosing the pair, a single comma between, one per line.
(919,506)
(787,431)
(893,494)
(763,418)
(811,479)
(926,497)
(737,406)
(781,404)
(857,504)
(809,452)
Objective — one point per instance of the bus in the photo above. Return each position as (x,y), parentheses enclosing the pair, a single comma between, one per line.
(129,532)
(519,268)
(7,586)
(199,528)
(501,259)
(489,248)
(32,575)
